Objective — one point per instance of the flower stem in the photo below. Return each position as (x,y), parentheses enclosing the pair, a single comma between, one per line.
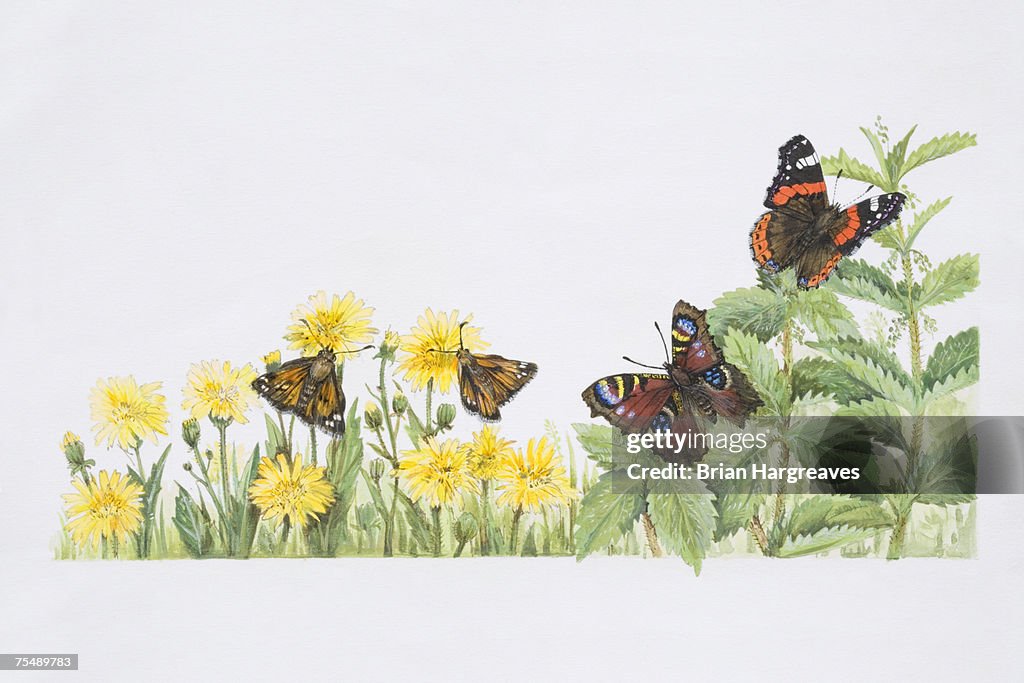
(312,445)
(435,513)
(516,516)
(225,483)
(430,391)
(651,534)
(485,541)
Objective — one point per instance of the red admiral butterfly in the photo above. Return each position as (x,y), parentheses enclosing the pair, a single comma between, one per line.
(803,230)
(698,388)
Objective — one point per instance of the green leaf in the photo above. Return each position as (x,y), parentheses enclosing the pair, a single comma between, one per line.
(822,376)
(758,363)
(858,279)
(921,219)
(945,499)
(937,148)
(864,348)
(889,237)
(898,154)
(949,466)
(961,380)
(685,524)
(875,378)
(949,281)
(755,310)
(248,515)
(873,407)
(823,541)
(822,312)
(418,525)
(957,353)
(600,442)
(276,440)
(193,524)
(880,155)
(815,513)
(733,512)
(152,488)
(852,168)
(605,514)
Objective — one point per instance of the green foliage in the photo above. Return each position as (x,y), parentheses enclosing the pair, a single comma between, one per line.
(758,363)
(754,310)
(606,514)
(822,312)
(857,279)
(949,281)
(820,376)
(956,357)
(600,442)
(686,523)
(193,523)
(821,523)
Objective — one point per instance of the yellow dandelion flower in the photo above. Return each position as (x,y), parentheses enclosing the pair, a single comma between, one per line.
(272,359)
(339,324)
(109,507)
(532,479)
(436,471)
(488,452)
(219,390)
(294,492)
(126,412)
(423,350)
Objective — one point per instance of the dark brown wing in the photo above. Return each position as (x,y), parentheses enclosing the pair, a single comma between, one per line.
(487,382)
(327,409)
(283,387)
(634,402)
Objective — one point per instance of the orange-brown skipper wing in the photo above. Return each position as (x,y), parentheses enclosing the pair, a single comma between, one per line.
(487,382)
(283,387)
(327,409)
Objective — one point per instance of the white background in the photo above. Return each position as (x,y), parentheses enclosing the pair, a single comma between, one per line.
(175,180)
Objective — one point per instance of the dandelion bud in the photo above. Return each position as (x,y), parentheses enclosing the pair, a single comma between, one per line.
(399,403)
(377,467)
(466,527)
(74,451)
(187,466)
(272,360)
(445,416)
(389,346)
(190,433)
(373,416)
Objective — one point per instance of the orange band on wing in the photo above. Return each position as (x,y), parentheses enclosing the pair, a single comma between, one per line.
(759,240)
(852,226)
(824,272)
(784,194)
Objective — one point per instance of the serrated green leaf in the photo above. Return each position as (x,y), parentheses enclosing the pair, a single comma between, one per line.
(823,541)
(734,511)
(758,311)
(599,442)
(193,526)
(605,515)
(949,466)
(964,378)
(957,353)
(852,168)
(949,281)
(898,154)
(895,388)
(871,408)
(822,376)
(858,279)
(685,524)
(921,219)
(758,363)
(880,155)
(815,513)
(936,148)
(889,237)
(945,499)
(822,312)
(865,348)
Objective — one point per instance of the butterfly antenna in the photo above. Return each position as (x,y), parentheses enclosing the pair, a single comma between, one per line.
(870,187)
(664,344)
(368,346)
(835,185)
(643,365)
(461,325)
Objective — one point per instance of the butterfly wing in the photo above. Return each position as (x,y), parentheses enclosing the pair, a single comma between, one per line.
(799,175)
(488,381)
(714,387)
(326,409)
(845,234)
(796,197)
(635,403)
(283,387)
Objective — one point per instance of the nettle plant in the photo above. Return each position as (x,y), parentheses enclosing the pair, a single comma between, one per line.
(806,354)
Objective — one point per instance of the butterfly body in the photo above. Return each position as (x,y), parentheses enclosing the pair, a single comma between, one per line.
(488,381)
(307,388)
(698,386)
(803,230)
